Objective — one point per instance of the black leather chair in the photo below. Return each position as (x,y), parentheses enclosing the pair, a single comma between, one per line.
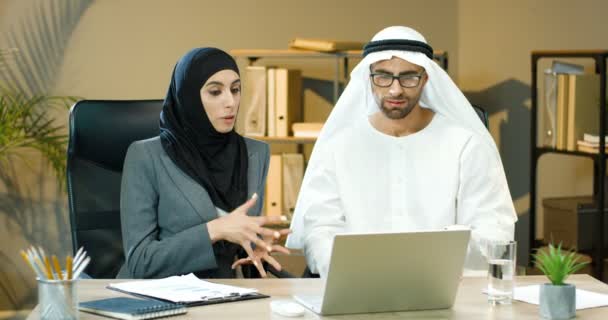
(483,115)
(100,133)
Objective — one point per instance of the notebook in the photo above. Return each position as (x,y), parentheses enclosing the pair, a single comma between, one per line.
(132,309)
(186,290)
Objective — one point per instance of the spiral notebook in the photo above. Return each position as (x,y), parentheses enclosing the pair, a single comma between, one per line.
(131,308)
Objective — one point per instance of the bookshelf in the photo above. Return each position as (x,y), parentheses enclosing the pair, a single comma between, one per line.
(340,59)
(285,140)
(599,159)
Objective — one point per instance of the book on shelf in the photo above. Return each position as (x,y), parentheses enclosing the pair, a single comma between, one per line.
(560,120)
(562,112)
(270,102)
(293,173)
(593,138)
(583,107)
(307,129)
(547,122)
(285,174)
(590,148)
(566,67)
(252,114)
(273,198)
(131,308)
(588,144)
(284,100)
(324,45)
(288,100)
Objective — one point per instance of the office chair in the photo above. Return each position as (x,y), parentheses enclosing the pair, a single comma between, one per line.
(483,115)
(100,133)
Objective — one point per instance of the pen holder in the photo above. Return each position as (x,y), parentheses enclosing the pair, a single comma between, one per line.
(58,299)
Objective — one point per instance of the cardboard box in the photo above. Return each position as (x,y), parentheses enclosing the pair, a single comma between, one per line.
(571,221)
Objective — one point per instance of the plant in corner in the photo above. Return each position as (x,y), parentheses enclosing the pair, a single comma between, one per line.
(25,123)
(557,299)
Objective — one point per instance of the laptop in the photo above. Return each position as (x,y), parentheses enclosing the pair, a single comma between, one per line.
(384,272)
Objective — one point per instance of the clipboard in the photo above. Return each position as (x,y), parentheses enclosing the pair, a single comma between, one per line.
(202,302)
(186,290)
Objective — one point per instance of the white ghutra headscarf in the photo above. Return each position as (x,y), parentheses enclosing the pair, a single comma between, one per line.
(439,94)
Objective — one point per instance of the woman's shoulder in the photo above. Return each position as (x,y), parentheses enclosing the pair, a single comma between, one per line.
(256,146)
(144,149)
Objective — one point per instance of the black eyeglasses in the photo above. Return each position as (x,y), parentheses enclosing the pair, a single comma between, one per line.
(385,80)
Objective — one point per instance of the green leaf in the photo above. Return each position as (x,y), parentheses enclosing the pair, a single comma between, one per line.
(25,123)
(557,264)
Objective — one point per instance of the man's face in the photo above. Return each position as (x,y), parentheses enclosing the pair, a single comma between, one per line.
(397,99)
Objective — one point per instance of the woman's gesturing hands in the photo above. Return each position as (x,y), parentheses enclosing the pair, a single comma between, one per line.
(237,227)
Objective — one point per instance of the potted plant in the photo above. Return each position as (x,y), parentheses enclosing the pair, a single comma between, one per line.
(557,299)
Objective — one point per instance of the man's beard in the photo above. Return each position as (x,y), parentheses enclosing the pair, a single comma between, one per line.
(396,113)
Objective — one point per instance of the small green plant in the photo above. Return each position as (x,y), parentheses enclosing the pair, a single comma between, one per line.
(557,264)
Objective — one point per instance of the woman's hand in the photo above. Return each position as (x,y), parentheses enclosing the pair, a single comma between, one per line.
(237,227)
(264,254)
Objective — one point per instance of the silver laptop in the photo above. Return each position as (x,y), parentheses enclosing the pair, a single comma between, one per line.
(391,272)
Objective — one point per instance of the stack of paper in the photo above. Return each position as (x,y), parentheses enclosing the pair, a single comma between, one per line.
(590,143)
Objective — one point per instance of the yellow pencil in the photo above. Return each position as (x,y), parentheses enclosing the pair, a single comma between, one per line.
(68,266)
(24,256)
(47,267)
(57,268)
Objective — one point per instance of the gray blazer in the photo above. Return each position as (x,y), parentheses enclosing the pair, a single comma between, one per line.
(164,214)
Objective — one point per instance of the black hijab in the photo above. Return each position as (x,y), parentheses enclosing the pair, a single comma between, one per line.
(217,161)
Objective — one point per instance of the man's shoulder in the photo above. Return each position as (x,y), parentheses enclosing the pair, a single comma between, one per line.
(451,129)
(348,134)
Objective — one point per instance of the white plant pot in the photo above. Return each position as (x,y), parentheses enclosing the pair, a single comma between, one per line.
(557,302)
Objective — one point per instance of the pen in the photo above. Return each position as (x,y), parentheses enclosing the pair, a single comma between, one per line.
(81,267)
(78,253)
(78,260)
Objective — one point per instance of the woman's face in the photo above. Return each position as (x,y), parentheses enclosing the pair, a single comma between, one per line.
(221,95)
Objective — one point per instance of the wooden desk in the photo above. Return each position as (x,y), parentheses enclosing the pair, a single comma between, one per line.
(470,302)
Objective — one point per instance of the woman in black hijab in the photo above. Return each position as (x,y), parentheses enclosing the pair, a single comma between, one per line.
(191,198)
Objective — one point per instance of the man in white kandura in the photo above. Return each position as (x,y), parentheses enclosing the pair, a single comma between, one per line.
(403,150)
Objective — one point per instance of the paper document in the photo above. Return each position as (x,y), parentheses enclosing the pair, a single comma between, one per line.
(584,299)
(181,289)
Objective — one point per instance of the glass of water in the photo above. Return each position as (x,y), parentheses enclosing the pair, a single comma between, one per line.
(501,271)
